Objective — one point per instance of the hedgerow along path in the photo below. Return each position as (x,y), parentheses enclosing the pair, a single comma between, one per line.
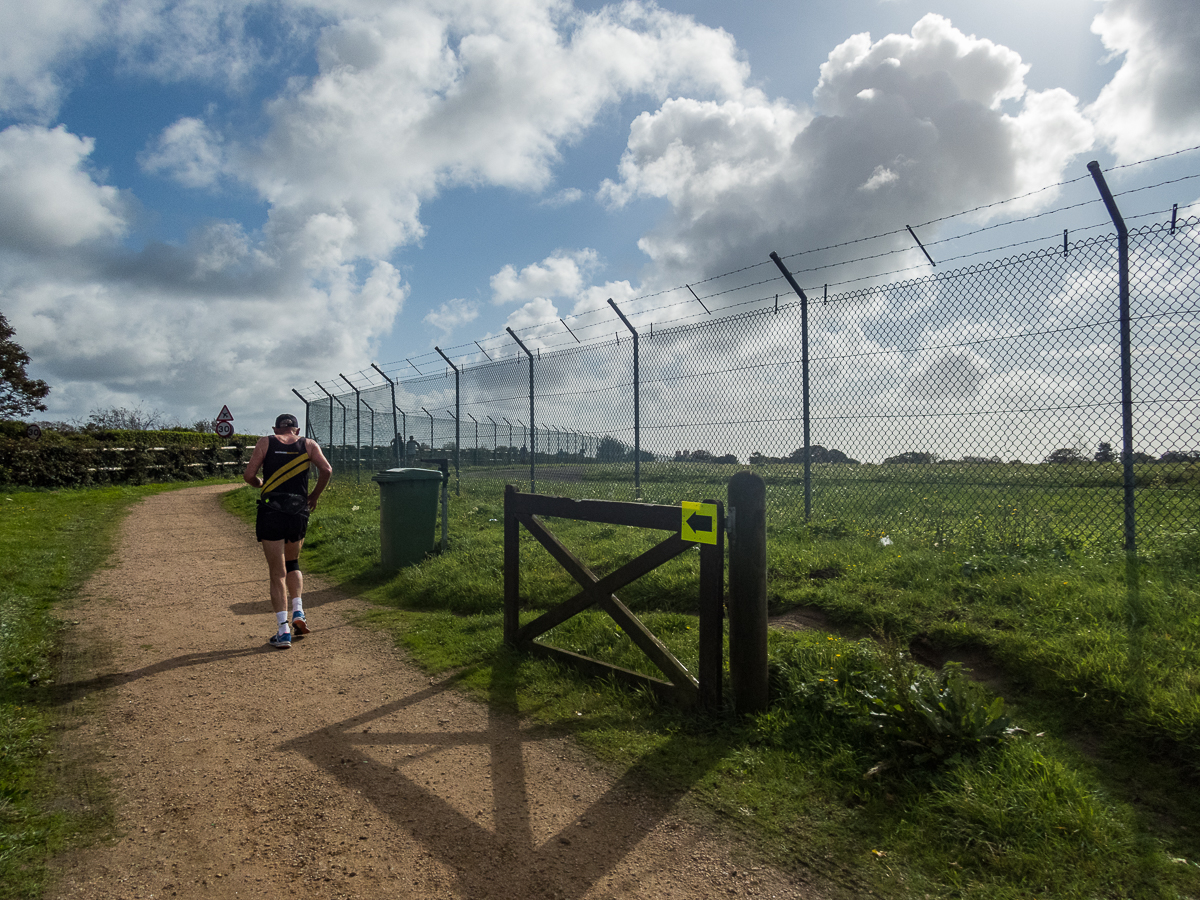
(334,769)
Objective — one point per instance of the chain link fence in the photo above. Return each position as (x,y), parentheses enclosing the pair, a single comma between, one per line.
(979,406)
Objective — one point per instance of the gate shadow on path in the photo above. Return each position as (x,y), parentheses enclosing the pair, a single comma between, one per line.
(505,859)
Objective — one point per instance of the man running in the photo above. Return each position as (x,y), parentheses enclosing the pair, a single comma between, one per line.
(283,508)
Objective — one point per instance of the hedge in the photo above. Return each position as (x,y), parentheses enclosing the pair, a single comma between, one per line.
(124,458)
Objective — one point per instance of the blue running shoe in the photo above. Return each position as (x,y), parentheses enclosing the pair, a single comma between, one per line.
(283,640)
(299,625)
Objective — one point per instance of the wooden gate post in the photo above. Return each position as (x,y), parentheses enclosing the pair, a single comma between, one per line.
(512,570)
(747,526)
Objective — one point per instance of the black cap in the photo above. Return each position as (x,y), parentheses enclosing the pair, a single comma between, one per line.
(287,420)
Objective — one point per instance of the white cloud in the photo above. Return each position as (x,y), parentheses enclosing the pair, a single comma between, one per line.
(35,39)
(565,197)
(923,115)
(452,314)
(47,198)
(187,151)
(560,275)
(414,97)
(535,312)
(1150,106)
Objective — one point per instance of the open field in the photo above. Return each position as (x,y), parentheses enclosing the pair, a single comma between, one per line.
(1098,663)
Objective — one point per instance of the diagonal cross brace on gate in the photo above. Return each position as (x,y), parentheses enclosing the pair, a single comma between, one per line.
(681,687)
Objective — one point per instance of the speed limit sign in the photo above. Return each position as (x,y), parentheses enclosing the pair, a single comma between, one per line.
(225,429)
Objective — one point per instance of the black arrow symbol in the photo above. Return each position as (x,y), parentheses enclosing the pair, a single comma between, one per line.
(707,520)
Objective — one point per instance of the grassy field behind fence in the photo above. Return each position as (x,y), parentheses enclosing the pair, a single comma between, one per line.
(1099,664)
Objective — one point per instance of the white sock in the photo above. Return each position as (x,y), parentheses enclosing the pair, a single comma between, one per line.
(297,605)
(281,619)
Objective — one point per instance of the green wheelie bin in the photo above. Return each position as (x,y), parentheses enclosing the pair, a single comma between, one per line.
(408,506)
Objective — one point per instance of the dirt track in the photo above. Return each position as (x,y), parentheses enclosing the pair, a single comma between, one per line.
(335,769)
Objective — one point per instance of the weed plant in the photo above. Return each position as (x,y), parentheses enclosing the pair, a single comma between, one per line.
(880,774)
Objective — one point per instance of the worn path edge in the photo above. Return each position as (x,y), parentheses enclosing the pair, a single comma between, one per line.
(335,769)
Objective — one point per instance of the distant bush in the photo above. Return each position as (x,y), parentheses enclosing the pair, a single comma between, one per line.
(912,457)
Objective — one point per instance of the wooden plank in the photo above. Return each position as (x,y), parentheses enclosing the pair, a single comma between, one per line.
(614,581)
(609,512)
(630,624)
(658,652)
(663,689)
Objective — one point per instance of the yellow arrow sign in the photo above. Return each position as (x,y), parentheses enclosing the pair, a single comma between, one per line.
(699,522)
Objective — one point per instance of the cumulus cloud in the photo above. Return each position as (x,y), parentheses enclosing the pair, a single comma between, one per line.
(903,129)
(187,151)
(560,275)
(452,314)
(411,98)
(47,198)
(1149,107)
(34,40)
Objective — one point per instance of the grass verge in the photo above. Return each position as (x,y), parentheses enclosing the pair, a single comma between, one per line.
(873,772)
(50,542)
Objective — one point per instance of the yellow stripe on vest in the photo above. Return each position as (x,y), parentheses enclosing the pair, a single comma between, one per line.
(290,469)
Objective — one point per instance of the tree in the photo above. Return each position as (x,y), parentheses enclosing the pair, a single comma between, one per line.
(610,450)
(121,418)
(1104,453)
(1065,455)
(19,394)
(915,457)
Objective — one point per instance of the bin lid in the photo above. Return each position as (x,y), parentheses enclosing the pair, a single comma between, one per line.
(391,475)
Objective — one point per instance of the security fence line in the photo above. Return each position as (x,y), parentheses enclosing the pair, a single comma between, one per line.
(1043,399)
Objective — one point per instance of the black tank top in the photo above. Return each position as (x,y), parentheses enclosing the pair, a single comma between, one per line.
(285,467)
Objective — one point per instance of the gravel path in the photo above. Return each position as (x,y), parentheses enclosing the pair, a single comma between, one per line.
(334,769)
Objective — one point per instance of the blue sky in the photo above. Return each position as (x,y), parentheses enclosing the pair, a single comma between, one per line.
(208,203)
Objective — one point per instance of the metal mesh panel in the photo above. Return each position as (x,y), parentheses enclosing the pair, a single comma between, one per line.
(980,401)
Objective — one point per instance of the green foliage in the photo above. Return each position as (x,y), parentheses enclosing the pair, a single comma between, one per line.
(118,457)
(931,717)
(19,394)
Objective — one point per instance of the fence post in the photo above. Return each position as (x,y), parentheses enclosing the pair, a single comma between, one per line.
(532,432)
(343,406)
(372,442)
(637,406)
(1126,366)
(804,381)
(395,433)
(747,528)
(457,413)
(305,402)
(357,425)
(428,413)
(712,619)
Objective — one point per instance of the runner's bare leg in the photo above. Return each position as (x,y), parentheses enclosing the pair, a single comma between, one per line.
(274,552)
(295,580)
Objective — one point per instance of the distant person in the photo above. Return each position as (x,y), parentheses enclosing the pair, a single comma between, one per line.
(411,449)
(283,507)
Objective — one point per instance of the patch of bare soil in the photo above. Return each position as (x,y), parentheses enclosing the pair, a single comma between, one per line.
(334,769)
(977,662)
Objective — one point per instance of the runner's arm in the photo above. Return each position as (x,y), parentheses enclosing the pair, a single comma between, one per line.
(250,476)
(324,471)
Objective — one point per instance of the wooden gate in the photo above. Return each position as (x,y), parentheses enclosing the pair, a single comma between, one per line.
(681,686)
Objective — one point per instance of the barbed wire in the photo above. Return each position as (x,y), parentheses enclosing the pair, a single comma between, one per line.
(608,322)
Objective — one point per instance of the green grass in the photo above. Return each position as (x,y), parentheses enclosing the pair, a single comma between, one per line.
(50,542)
(1095,800)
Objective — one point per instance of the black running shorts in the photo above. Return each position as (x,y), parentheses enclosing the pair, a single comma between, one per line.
(272,525)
